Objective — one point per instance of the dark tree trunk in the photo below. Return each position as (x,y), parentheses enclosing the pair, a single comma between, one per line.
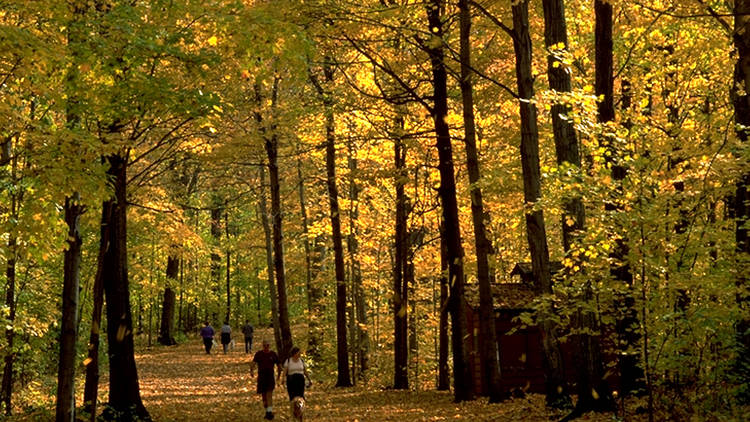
(492,382)
(263,208)
(443,345)
(271,144)
(317,338)
(627,324)
(166,328)
(10,301)
(590,370)
(305,236)
(362,344)
(742,197)
(342,350)
(65,407)
(462,375)
(124,391)
(91,387)
(216,212)
(555,386)
(400,290)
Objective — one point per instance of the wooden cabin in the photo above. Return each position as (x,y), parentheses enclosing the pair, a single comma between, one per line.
(520,346)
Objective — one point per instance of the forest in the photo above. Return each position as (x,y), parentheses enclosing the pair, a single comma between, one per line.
(488,198)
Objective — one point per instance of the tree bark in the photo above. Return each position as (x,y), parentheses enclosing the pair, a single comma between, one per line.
(263,211)
(342,352)
(590,370)
(271,144)
(362,344)
(555,386)
(462,374)
(443,345)
(166,327)
(489,354)
(400,286)
(91,387)
(65,406)
(6,392)
(124,391)
(627,324)
(740,95)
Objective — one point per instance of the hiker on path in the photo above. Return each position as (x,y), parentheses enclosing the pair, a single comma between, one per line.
(207,333)
(247,331)
(295,373)
(226,336)
(266,359)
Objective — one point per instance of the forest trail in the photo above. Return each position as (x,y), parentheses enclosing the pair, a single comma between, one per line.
(182,383)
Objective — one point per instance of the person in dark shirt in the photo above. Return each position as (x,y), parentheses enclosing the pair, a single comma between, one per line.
(247,331)
(266,359)
(207,333)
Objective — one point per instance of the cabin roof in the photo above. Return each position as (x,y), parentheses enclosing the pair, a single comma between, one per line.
(504,295)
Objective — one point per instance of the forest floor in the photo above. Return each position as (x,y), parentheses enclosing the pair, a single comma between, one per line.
(182,383)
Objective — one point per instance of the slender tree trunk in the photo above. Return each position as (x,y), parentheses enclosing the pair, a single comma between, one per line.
(462,374)
(342,353)
(492,383)
(627,325)
(124,390)
(443,345)
(263,211)
(91,387)
(305,234)
(10,301)
(401,242)
(271,144)
(360,304)
(166,327)
(555,386)
(740,95)
(65,407)
(216,211)
(593,391)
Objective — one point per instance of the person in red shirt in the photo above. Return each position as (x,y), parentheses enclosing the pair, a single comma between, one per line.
(265,360)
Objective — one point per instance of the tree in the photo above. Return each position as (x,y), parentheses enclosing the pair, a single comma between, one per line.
(593,391)
(462,375)
(556,389)
(489,353)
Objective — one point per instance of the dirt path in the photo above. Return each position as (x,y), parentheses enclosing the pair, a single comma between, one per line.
(183,384)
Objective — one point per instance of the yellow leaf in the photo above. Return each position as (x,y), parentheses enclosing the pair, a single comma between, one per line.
(213,41)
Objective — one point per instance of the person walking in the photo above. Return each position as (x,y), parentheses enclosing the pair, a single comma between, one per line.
(295,373)
(266,359)
(226,335)
(207,333)
(247,331)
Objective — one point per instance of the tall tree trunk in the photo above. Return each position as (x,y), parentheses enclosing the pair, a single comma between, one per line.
(166,327)
(492,382)
(124,390)
(65,406)
(401,243)
(263,211)
(593,391)
(271,144)
(228,310)
(627,324)
(91,387)
(443,345)
(362,344)
(555,386)
(216,212)
(10,301)
(342,353)
(740,95)
(305,234)
(462,375)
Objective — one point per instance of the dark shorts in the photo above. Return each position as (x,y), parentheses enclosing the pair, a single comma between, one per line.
(226,338)
(295,385)
(266,381)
